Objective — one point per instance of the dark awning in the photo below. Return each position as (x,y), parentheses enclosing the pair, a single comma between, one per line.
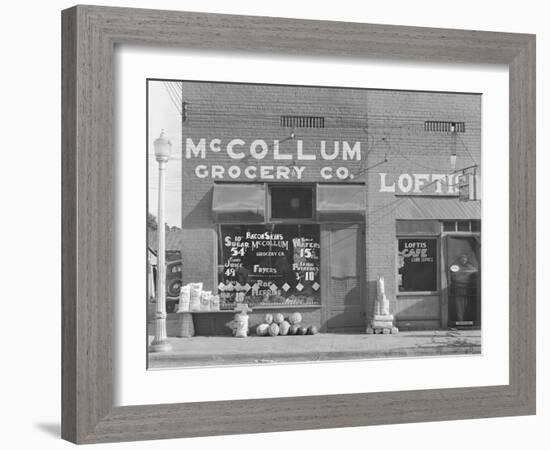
(239,202)
(437,208)
(341,202)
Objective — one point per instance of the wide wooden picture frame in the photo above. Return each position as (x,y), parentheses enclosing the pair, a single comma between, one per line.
(90,34)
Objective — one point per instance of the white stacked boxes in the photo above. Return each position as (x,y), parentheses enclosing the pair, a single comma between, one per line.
(382,321)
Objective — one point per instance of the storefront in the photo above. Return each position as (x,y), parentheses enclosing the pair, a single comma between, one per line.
(300,198)
(438,271)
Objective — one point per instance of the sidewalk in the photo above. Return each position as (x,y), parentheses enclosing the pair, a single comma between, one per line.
(201,350)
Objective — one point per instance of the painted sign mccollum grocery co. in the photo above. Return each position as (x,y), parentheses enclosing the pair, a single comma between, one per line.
(294,163)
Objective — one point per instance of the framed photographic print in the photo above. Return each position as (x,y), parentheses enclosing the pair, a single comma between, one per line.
(293,221)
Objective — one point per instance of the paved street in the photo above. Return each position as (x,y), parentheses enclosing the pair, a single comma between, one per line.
(201,350)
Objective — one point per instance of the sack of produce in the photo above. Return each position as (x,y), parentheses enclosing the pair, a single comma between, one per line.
(273,329)
(195,290)
(295,318)
(312,330)
(261,330)
(284,327)
(278,318)
(185,295)
(239,324)
(215,303)
(205,300)
(268,318)
(293,329)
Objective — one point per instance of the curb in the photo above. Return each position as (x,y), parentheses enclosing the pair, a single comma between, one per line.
(159,360)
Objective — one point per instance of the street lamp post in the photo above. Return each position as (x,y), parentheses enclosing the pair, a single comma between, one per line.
(163,148)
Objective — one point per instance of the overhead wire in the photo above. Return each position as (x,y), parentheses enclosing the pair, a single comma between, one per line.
(173,97)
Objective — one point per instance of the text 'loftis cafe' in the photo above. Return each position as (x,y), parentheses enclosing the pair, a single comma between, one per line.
(292,165)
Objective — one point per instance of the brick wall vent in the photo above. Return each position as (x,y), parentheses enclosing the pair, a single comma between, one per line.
(302,122)
(444,127)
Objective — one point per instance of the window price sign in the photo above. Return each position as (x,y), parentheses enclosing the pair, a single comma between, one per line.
(270,264)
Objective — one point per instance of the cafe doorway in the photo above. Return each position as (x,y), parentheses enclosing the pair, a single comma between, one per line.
(463,267)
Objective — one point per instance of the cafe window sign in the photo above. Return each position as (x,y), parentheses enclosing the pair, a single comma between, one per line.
(269,265)
(417,265)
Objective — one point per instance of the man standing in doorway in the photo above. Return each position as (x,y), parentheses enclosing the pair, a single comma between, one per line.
(463,274)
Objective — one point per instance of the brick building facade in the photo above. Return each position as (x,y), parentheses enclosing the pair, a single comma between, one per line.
(384,200)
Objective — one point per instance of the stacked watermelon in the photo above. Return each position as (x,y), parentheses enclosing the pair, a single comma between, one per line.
(277,325)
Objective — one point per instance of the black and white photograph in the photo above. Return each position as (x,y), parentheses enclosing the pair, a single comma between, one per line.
(290,224)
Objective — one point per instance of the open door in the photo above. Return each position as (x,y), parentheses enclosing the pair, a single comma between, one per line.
(463,267)
(344,304)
